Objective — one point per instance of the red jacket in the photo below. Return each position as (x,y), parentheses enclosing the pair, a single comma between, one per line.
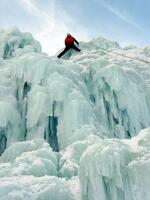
(69,39)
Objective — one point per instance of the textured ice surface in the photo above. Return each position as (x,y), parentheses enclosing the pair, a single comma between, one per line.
(56,92)
(28,158)
(70,157)
(33,188)
(13,43)
(69,129)
(118,93)
(117,169)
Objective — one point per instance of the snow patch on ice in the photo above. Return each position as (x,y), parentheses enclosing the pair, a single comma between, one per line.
(33,157)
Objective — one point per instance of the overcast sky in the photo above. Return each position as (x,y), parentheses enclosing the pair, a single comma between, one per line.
(125,21)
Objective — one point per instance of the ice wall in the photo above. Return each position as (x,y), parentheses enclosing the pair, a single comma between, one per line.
(118,92)
(51,100)
(118,86)
(10,121)
(63,122)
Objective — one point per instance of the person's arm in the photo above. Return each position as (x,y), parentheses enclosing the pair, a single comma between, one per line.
(76,41)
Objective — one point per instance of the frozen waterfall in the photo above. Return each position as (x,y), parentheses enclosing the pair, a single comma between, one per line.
(75,128)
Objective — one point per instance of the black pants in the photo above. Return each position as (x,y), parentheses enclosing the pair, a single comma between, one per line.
(68,46)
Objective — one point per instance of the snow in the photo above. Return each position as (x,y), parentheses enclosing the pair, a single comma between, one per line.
(33,188)
(73,128)
(28,158)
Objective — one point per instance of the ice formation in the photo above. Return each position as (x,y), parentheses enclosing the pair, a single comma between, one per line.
(117,169)
(75,128)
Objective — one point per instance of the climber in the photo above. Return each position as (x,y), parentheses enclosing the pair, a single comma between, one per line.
(69,42)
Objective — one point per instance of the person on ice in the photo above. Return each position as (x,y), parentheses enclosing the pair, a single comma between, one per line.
(69,42)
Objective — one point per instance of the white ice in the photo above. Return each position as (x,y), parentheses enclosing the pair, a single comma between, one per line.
(117,169)
(69,128)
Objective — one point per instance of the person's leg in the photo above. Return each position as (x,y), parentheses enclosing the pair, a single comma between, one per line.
(75,48)
(63,52)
